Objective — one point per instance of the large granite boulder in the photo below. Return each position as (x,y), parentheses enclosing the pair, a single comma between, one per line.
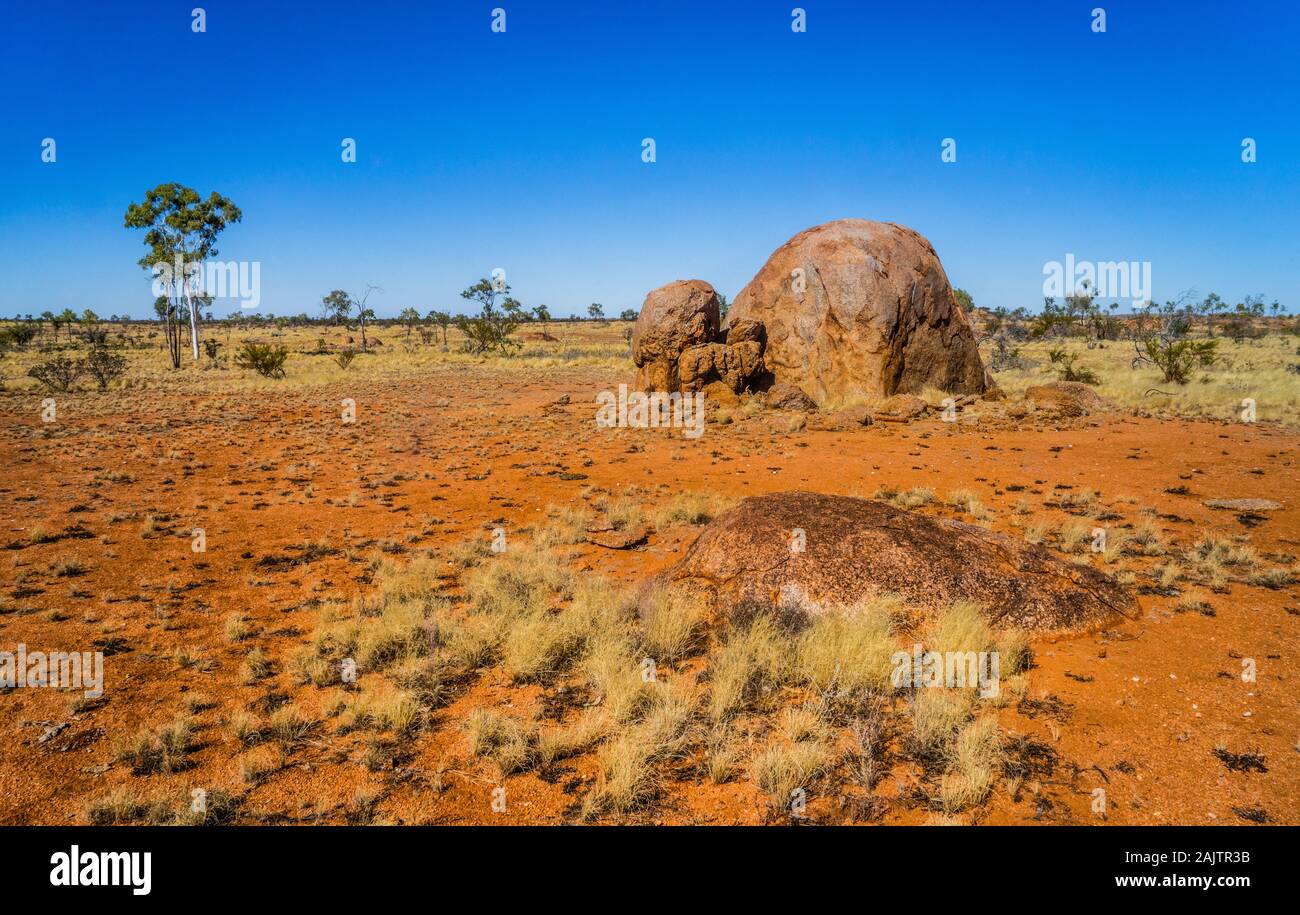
(859,310)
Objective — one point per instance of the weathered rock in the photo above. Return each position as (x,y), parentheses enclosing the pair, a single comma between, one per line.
(841,420)
(902,408)
(745,331)
(734,366)
(1244,505)
(673,318)
(52,731)
(1070,398)
(783,396)
(719,394)
(786,423)
(695,364)
(619,539)
(677,344)
(855,309)
(857,548)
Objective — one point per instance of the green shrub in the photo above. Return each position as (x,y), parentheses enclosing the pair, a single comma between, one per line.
(18,334)
(1068,370)
(263,358)
(104,366)
(344,358)
(1177,358)
(489,332)
(58,374)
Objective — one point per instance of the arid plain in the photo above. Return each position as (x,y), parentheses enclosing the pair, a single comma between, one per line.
(508,687)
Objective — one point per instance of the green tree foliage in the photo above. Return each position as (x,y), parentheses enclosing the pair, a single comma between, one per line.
(1069,371)
(443,320)
(490,330)
(181,227)
(542,315)
(338,307)
(18,335)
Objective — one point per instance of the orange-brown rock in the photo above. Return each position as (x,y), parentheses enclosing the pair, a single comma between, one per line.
(673,318)
(733,365)
(855,309)
(1071,398)
(847,420)
(857,548)
(902,408)
(782,396)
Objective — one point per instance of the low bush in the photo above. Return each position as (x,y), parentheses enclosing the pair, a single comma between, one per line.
(58,374)
(263,358)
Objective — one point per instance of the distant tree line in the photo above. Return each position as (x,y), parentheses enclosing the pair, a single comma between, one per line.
(1162,335)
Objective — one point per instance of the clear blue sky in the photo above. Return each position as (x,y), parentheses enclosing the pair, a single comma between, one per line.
(523,150)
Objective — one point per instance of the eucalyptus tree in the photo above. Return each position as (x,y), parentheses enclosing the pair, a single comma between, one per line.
(514,310)
(336,307)
(443,320)
(339,305)
(181,230)
(491,328)
(168,315)
(543,316)
(67,318)
(410,317)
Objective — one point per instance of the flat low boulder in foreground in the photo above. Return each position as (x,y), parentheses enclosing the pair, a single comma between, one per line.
(857,548)
(1244,505)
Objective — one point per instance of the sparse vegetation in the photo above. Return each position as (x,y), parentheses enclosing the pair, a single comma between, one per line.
(59,374)
(265,359)
(158,751)
(640,690)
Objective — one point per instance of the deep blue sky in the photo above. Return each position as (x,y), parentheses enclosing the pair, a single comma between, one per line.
(523,150)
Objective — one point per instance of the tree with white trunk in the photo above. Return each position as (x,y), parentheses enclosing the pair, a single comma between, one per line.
(181,230)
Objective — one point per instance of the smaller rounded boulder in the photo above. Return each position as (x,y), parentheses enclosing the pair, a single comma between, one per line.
(673,318)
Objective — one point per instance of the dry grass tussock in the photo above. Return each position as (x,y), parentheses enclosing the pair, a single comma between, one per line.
(662,693)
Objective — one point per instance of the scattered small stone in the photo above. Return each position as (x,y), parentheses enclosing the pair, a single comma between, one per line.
(52,731)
